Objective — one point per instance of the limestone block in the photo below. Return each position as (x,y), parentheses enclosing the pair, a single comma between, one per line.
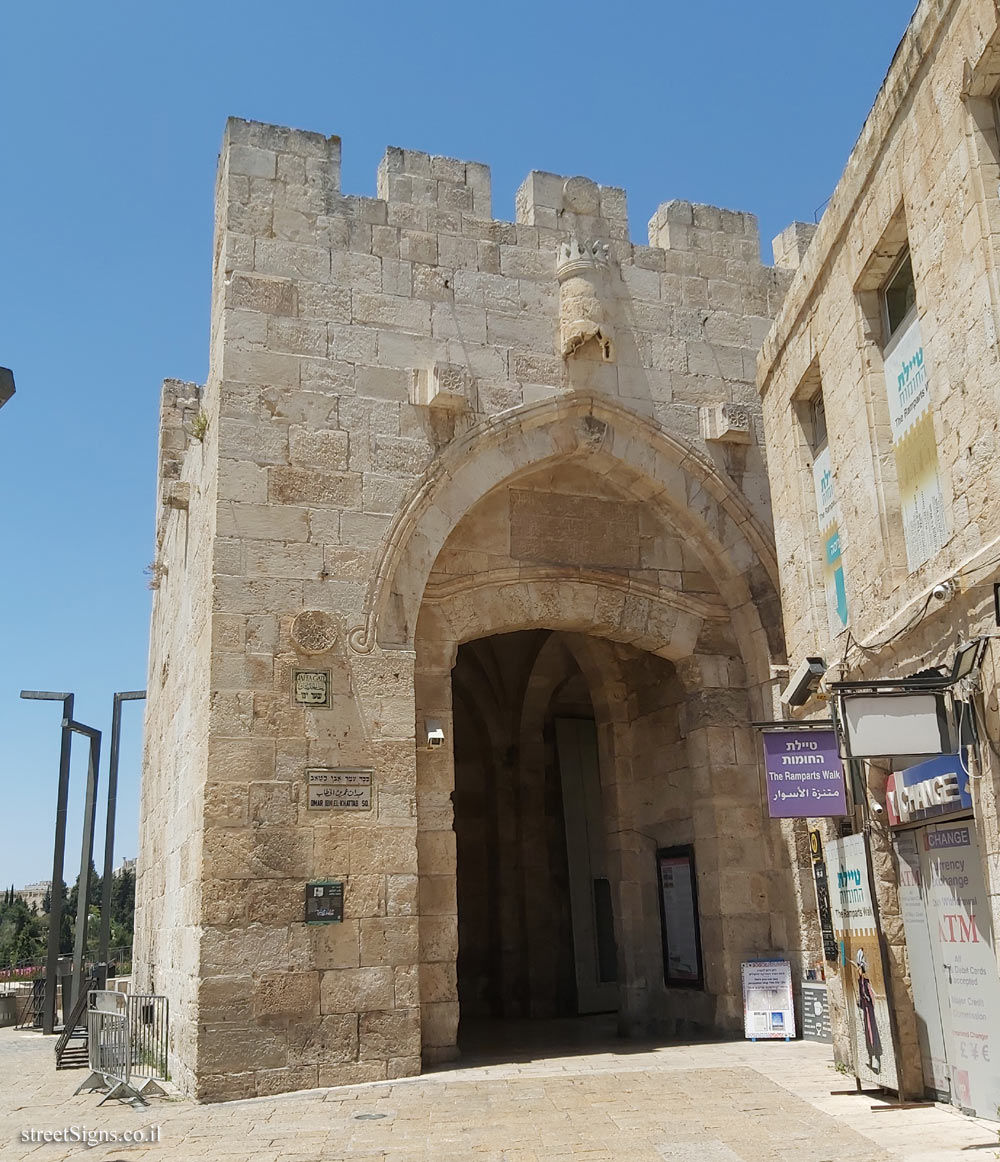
(286,994)
(273,1081)
(354,1073)
(293,485)
(388,940)
(392,1033)
(438,938)
(365,895)
(271,804)
(357,990)
(439,1023)
(230,1049)
(225,998)
(332,946)
(267,293)
(331,1039)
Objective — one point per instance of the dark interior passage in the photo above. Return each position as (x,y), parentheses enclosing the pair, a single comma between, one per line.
(536,929)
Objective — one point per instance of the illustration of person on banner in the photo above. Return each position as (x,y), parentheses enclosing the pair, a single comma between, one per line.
(866,1006)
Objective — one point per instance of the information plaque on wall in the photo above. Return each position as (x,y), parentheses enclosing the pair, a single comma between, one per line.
(325,902)
(679,917)
(311,688)
(339,788)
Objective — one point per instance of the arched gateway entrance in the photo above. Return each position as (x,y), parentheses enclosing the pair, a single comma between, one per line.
(593,613)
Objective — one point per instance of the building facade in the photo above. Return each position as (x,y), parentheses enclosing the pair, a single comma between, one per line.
(466,598)
(879,386)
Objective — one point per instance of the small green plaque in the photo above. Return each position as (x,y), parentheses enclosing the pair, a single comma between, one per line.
(325,902)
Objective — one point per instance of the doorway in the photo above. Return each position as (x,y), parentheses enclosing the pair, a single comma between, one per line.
(536,924)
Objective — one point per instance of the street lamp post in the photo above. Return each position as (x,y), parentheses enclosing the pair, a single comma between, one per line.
(109,833)
(58,853)
(86,859)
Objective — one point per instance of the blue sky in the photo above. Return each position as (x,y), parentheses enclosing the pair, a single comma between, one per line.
(110,120)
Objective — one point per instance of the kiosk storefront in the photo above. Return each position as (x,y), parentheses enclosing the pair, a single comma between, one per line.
(949,937)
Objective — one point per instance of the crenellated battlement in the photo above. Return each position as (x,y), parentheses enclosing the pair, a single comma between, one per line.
(421,191)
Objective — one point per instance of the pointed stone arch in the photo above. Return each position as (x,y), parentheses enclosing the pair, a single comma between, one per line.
(653,466)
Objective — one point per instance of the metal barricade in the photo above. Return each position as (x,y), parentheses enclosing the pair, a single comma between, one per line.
(113,1054)
(149,1019)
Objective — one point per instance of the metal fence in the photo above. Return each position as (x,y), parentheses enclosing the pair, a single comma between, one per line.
(148,1021)
(127,1044)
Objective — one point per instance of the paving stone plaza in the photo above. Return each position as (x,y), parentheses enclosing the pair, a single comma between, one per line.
(619,1102)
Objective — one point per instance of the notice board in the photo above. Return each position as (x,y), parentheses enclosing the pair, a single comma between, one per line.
(768,1003)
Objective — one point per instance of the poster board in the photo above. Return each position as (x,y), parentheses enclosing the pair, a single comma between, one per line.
(860,963)
(914,445)
(768,1002)
(678,890)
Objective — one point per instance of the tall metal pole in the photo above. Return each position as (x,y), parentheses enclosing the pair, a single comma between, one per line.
(86,859)
(109,830)
(58,853)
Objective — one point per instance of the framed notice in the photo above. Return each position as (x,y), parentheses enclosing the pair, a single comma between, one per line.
(768,1005)
(339,788)
(325,902)
(682,964)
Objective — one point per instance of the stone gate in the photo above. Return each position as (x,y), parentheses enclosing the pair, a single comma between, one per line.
(475,512)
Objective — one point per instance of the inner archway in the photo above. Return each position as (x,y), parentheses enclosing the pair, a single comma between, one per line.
(536,932)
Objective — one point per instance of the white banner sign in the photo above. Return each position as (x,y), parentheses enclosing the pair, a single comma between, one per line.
(914,446)
(827,511)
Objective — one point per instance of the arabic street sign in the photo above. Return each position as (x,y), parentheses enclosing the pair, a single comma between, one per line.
(804,774)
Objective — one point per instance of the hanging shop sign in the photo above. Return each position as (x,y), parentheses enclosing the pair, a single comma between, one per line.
(828,514)
(880,725)
(340,789)
(914,446)
(768,1004)
(937,787)
(831,950)
(804,774)
(679,917)
(856,931)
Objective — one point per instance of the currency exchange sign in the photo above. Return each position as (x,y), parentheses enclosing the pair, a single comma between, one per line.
(804,774)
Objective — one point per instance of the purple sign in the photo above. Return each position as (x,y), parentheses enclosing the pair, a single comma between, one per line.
(805,777)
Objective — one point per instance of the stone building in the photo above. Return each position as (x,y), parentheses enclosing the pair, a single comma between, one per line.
(879,388)
(466,598)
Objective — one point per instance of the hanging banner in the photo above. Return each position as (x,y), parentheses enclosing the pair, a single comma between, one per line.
(827,511)
(855,930)
(768,1007)
(958,913)
(804,775)
(914,446)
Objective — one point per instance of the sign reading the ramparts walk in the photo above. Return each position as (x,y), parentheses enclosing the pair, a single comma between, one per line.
(804,774)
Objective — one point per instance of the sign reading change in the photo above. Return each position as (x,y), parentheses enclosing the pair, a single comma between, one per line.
(340,788)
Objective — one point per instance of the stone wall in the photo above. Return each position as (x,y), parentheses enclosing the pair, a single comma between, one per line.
(924,173)
(379,366)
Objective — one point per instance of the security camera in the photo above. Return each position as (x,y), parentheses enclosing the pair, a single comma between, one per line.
(877,808)
(435,733)
(803,682)
(943,592)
